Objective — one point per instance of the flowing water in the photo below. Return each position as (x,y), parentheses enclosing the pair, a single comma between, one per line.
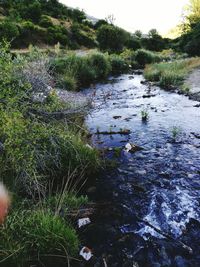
(149,204)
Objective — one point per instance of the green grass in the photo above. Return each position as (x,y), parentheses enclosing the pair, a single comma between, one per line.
(171,73)
(44,162)
(84,70)
(36,236)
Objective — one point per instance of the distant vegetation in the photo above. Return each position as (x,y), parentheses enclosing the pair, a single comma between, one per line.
(42,22)
(189,41)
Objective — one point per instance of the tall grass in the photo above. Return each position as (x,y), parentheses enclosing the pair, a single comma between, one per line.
(171,73)
(32,236)
(39,156)
(84,69)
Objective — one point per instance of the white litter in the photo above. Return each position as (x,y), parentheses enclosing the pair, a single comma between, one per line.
(86,253)
(128,147)
(83,222)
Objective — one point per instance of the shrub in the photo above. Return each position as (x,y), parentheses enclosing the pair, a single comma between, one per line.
(119,65)
(68,82)
(85,69)
(8,30)
(100,64)
(154,42)
(30,33)
(83,35)
(144,57)
(57,34)
(45,21)
(35,236)
(133,43)
(111,38)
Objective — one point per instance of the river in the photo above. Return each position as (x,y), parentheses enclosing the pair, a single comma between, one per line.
(149,203)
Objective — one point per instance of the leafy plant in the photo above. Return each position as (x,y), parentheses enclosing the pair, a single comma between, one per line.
(144,115)
(175,132)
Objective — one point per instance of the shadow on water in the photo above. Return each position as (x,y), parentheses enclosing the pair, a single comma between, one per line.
(159,184)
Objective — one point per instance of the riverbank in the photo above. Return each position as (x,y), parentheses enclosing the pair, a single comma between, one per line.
(178,75)
(45,160)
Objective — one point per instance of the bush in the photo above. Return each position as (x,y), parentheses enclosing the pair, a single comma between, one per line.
(83,36)
(144,57)
(119,65)
(35,236)
(68,82)
(85,70)
(45,21)
(8,30)
(111,38)
(100,64)
(30,33)
(57,34)
(154,41)
(133,43)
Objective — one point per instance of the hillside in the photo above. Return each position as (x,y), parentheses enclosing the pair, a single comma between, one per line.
(42,22)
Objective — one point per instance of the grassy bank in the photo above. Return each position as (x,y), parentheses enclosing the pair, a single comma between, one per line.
(73,72)
(169,74)
(44,160)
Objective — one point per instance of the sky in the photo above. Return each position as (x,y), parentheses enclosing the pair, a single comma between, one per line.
(135,14)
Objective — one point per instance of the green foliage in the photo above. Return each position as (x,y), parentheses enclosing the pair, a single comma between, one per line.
(64,203)
(30,33)
(100,64)
(118,64)
(57,33)
(129,57)
(100,22)
(85,70)
(171,73)
(45,21)
(145,115)
(143,57)
(111,38)
(133,43)
(154,41)
(8,30)
(83,36)
(193,44)
(176,131)
(68,82)
(34,236)
(35,151)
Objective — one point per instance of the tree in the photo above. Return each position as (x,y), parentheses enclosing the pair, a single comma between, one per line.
(138,34)
(111,38)
(192,15)
(154,41)
(133,43)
